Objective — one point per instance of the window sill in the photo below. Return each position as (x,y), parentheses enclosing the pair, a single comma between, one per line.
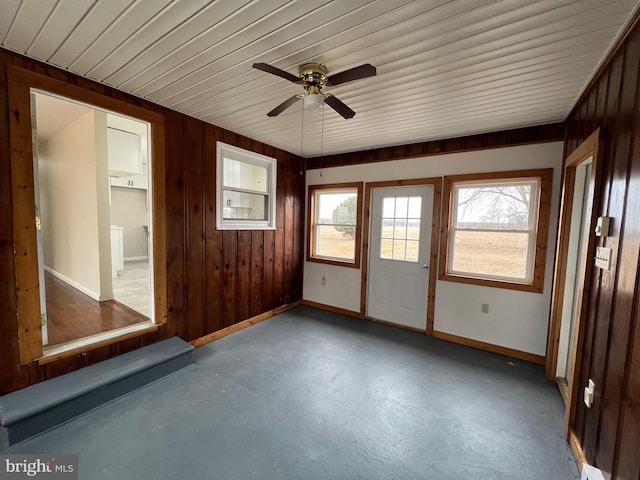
(335,262)
(523,287)
(244,226)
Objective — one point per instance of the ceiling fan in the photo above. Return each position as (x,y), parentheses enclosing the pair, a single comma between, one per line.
(313,76)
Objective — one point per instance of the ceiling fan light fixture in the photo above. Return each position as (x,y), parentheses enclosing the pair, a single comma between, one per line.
(313,101)
(312,77)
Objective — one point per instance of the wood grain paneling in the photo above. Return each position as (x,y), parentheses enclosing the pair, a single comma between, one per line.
(195,251)
(12,376)
(609,432)
(243,277)
(553,132)
(213,248)
(257,271)
(229,262)
(176,305)
(214,279)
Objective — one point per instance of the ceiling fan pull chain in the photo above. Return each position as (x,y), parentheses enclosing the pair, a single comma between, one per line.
(301,136)
(321,139)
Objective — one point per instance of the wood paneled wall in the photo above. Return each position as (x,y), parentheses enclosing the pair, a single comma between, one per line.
(609,432)
(214,279)
(553,132)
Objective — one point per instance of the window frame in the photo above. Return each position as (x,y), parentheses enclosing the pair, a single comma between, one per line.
(536,257)
(245,156)
(311,224)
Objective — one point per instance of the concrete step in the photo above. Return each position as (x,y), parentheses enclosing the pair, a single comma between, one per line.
(42,406)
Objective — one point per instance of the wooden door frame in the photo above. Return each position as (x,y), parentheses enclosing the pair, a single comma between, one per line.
(433,254)
(20,83)
(591,147)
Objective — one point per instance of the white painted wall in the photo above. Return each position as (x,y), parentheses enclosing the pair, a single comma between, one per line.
(129,210)
(74,195)
(101,152)
(516,319)
(69,203)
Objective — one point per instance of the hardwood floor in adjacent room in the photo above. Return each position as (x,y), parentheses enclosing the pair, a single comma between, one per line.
(72,315)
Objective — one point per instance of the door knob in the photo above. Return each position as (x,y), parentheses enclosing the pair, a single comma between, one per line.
(425,266)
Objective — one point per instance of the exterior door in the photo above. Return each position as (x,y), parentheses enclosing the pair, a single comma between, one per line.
(399,247)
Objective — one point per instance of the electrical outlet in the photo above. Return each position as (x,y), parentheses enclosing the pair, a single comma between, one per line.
(484,308)
(324,281)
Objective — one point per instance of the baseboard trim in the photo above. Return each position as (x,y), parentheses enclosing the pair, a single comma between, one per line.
(136,259)
(74,284)
(564,388)
(198,342)
(576,448)
(398,325)
(489,347)
(330,308)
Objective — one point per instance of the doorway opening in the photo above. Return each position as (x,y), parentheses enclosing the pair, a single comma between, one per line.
(576,252)
(572,274)
(21,83)
(93,207)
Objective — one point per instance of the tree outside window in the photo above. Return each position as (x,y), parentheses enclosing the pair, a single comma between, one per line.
(493,231)
(334,224)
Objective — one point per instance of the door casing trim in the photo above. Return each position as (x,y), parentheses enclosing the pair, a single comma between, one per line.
(20,82)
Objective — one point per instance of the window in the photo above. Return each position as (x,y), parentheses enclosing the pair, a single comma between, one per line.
(335,213)
(495,229)
(246,189)
(400,230)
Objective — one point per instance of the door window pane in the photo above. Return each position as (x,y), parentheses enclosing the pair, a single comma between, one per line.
(400,230)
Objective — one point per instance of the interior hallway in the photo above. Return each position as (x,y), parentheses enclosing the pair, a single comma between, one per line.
(311,394)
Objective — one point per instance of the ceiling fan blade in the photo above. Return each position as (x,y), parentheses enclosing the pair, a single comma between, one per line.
(339,106)
(265,67)
(355,73)
(283,106)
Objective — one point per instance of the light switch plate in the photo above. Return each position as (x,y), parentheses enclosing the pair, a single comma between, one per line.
(588,397)
(603,258)
(602,226)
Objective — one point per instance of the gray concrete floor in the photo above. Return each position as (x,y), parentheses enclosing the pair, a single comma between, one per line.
(314,395)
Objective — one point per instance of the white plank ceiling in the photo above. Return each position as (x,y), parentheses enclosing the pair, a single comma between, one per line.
(445,68)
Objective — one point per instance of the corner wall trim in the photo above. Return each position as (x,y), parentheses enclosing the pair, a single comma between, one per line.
(488,347)
(199,342)
(74,284)
(329,308)
(576,448)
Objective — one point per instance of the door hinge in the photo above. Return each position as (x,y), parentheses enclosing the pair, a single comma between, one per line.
(38,223)
(43,319)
